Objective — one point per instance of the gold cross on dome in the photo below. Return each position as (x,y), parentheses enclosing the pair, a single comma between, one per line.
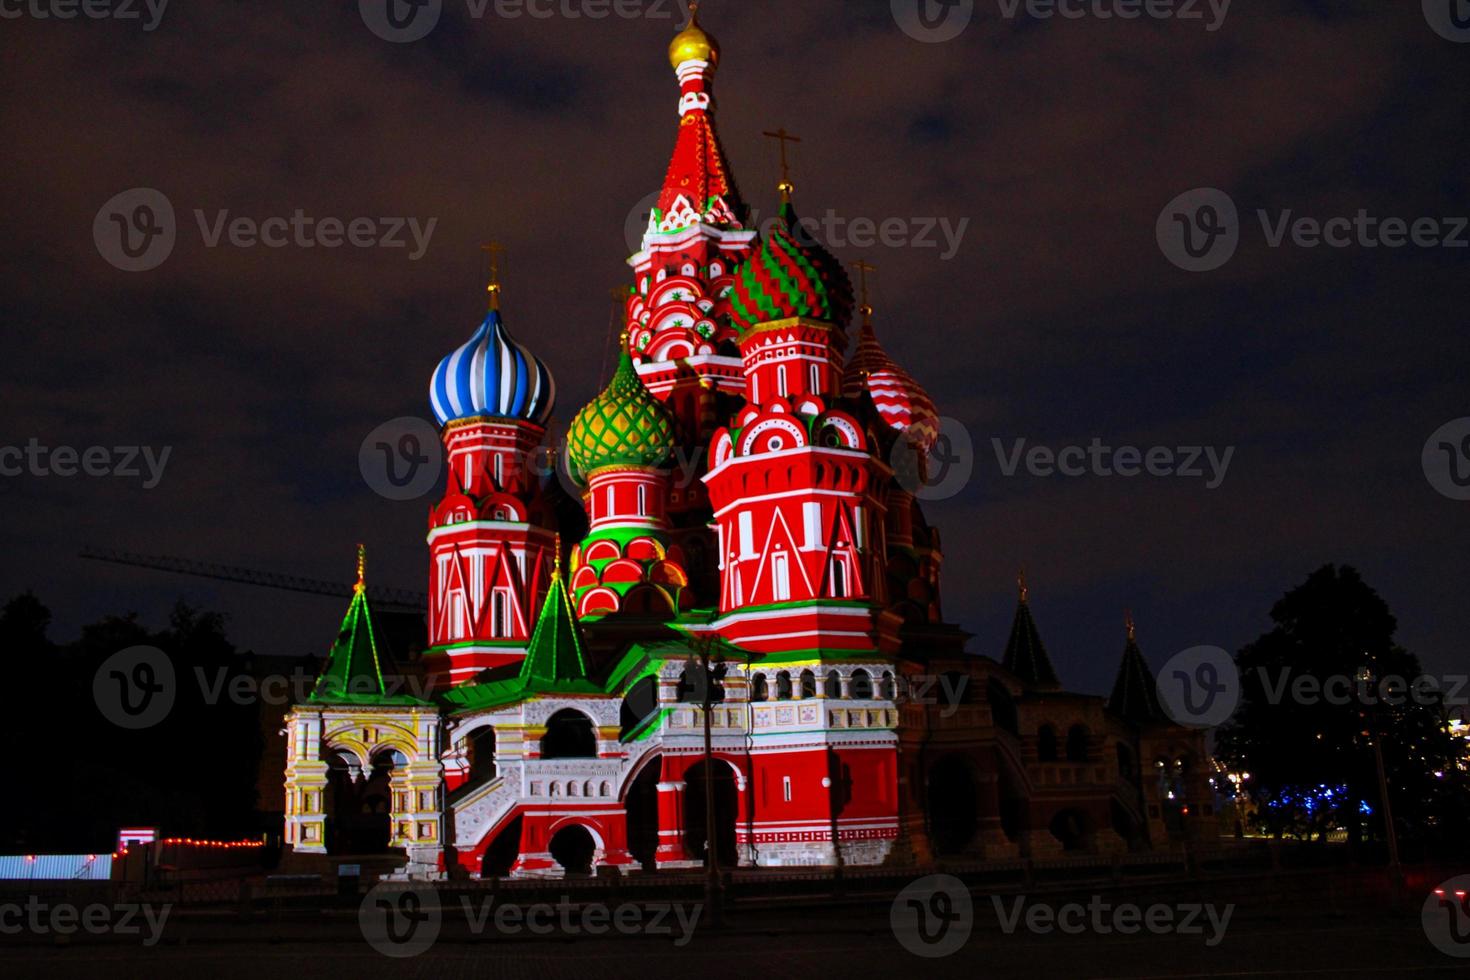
(786,186)
(863,268)
(494,250)
(361,568)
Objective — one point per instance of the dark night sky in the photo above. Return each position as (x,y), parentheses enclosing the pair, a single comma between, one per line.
(1059,320)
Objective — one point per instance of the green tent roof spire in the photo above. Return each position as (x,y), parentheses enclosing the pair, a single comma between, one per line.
(555,660)
(353,673)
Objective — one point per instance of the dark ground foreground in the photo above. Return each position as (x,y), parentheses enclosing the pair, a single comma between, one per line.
(1319,925)
(813,947)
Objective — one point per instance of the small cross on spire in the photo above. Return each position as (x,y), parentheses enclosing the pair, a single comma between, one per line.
(1132,627)
(1021,584)
(786,186)
(361,569)
(866,309)
(494,250)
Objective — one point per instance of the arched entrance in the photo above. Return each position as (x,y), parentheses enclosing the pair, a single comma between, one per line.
(572,847)
(569,735)
(641,804)
(725,811)
(358,805)
(953,807)
(1073,829)
(501,855)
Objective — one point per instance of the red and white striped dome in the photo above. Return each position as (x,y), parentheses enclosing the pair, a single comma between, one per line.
(901,401)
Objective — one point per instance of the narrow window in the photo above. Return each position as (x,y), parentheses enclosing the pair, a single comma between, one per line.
(642,501)
(839,579)
(786,788)
(747,535)
(811,517)
(500,614)
(816,380)
(780,577)
(781,381)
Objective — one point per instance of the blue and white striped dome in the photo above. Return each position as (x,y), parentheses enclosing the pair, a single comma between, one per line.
(492,375)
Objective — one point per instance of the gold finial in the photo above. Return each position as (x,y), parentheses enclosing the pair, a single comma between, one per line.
(866,307)
(1132,626)
(1021,584)
(693,44)
(494,250)
(786,187)
(556,557)
(361,569)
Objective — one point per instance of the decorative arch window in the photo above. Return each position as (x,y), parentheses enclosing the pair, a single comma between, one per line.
(1078,739)
(808,685)
(758,691)
(833,685)
(840,585)
(887,690)
(783,686)
(1046,744)
(862,685)
(500,614)
(816,380)
(781,388)
(569,735)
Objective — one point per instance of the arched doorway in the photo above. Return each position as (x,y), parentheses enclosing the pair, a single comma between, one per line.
(1073,829)
(642,808)
(572,847)
(953,806)
(725,811)
(358,804)
(501,855)
(569,735)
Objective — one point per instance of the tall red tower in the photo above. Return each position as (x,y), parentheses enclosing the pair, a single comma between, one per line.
(492,537)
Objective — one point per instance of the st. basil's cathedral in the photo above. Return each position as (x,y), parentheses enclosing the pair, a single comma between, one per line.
(563,729)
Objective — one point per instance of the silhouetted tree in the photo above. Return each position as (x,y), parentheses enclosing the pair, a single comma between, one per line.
(1316,691)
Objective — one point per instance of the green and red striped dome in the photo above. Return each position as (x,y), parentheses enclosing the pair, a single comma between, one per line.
(790,275)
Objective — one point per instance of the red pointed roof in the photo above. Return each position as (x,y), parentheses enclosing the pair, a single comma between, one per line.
(698,170)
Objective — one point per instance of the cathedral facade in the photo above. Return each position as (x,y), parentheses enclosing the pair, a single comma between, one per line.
(742,627)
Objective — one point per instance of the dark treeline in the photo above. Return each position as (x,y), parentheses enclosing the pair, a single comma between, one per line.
(81,777)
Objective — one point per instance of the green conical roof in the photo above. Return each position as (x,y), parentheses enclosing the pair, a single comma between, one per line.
(555,660)
(354,670)
(1025,654)
(1135,695)
(623,426)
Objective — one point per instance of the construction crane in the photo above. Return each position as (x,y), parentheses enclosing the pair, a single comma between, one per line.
(386,600)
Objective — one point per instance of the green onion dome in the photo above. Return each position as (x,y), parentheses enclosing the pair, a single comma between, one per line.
(791,275)
(623,426)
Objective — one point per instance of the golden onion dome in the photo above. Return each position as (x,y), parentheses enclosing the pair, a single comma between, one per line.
(693,44)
